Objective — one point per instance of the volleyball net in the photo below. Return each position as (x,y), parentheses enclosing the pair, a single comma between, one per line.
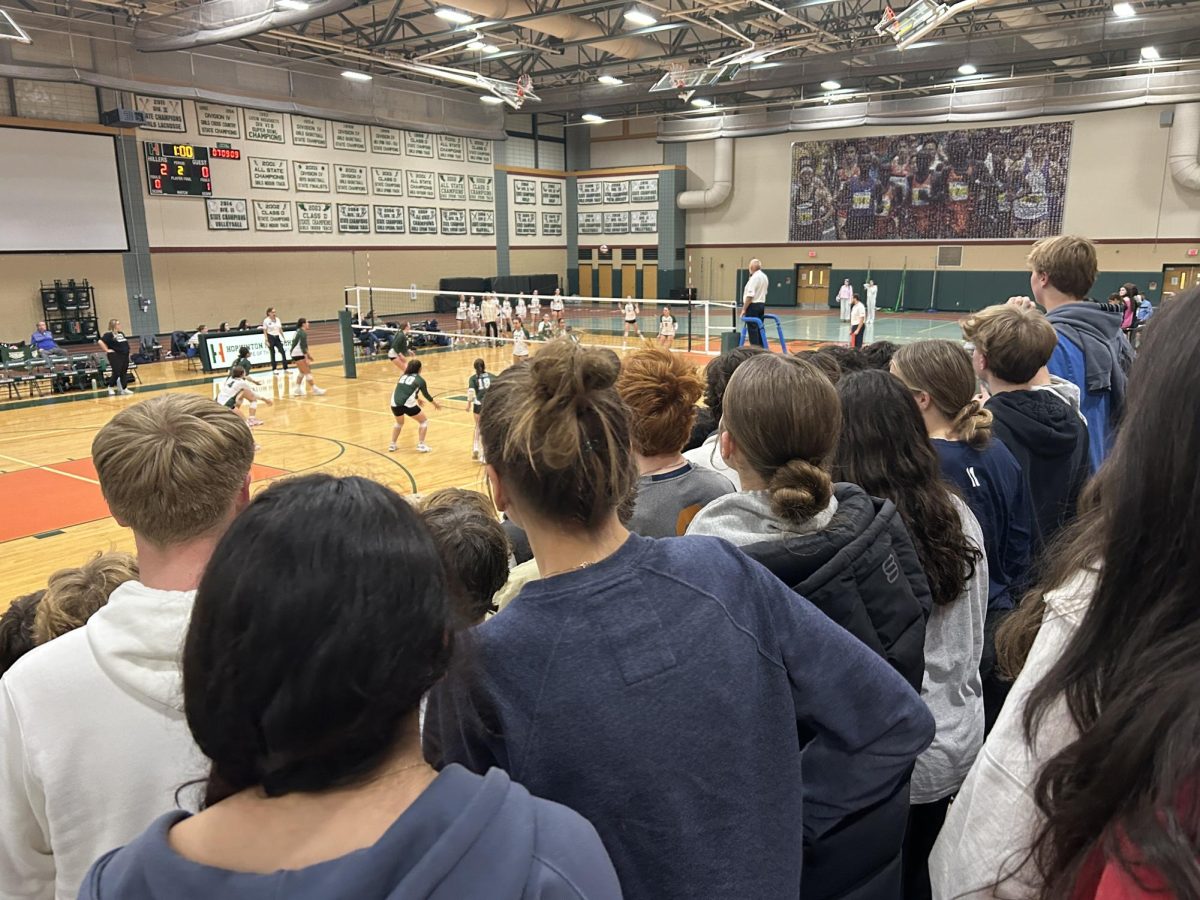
(433,318)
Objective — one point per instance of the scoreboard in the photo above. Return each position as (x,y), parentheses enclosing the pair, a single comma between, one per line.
(178,170)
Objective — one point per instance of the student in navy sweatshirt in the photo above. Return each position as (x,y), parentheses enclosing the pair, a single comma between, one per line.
(302,683)
(940,376)
(1045,433)
(663,688)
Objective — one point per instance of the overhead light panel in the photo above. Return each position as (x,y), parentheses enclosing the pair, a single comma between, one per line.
(701,103)
(766,65)
(453,15)
(354,75)
(639,17)
(610,80)
(593,118)
(482,47)
(491,100)
(1150,54)
(967,69)
(1124,10)
(831,85)
(297,5)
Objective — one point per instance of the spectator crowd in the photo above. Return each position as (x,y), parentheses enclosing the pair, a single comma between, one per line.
(874,624)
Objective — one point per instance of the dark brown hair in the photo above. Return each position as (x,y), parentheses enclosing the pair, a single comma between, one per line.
(1130,674)
(16,629)
(556,431)
(885,451)
(942,369)
(474,550)
(784,415)
(661,390)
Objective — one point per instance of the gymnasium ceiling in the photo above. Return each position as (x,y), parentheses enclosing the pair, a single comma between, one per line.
(565,45)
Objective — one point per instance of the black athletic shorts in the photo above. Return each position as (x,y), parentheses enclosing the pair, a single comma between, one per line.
(476,407)
(406,410)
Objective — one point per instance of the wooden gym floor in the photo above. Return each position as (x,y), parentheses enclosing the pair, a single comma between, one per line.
(55,516)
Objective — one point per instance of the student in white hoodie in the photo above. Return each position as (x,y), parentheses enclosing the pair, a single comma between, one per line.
(93,742)
(1091,770)
(716,376)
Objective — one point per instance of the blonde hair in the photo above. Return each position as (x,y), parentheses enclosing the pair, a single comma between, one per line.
(942,369)
(112,323)
(785,416)
(661,390)
(172,467)
(1069,262)
(1016,341)
(73,594)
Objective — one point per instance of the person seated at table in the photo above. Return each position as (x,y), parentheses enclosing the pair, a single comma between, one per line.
(43,341)
(194,340)
(223,327)
(243,325)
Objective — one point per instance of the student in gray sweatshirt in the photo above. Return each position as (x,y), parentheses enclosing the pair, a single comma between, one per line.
(301,683)
(661,389)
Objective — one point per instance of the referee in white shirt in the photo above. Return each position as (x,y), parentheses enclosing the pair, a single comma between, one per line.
(754,302)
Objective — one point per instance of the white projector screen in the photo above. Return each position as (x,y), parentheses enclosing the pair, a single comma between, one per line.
(59,192)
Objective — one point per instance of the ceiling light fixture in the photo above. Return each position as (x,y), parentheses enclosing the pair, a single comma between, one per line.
(482,47)
(297,5)
(639,17)
(593,118)
(354,75)
(831,85)
(1150,54)
(1124,10)
(453,15)
(766,65)
(610,80)
(967,69)
(701,103)
(491,99)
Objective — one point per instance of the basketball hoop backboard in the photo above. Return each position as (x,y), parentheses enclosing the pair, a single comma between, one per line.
(689,79)
(11,31)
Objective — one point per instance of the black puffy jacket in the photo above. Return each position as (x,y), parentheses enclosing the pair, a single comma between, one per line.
(863,572)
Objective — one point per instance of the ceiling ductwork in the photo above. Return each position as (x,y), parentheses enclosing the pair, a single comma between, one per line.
(219,21)
(1183,149)
(722,184)
(979,106)
(563,26)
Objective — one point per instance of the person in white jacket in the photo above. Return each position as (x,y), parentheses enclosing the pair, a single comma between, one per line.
(93,742)
(1087,785)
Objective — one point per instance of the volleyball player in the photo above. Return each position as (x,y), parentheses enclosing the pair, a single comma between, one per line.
(303,360)
(522,309)
(535,305)
(545,329)
(272,329)
(666,329)
(520,342)
(405,402)
(631,318)
(401,350)
(473,317)
(239,388)
(504,317)
(558,308)
(477,388)
(460,315)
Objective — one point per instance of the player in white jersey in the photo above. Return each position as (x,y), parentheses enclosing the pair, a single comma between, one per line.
(535,306)
(522,309)
(558,308)
(473,317)
(460,315)
(631,318)
(238,388)
(520,342)
(666,329)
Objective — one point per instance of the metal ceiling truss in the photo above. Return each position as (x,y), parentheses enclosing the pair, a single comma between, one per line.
(785,46)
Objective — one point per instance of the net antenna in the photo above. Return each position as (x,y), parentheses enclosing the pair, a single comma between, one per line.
(918,19)
(11,31)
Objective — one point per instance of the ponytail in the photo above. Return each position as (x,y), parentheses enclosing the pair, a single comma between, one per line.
(973,424)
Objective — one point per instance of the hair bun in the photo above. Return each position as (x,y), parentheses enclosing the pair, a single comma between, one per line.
(799,490)
(566,374)
(974,423)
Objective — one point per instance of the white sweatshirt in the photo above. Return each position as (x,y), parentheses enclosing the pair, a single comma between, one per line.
(708,456)
(951,686)
(991,822)
(93,742)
